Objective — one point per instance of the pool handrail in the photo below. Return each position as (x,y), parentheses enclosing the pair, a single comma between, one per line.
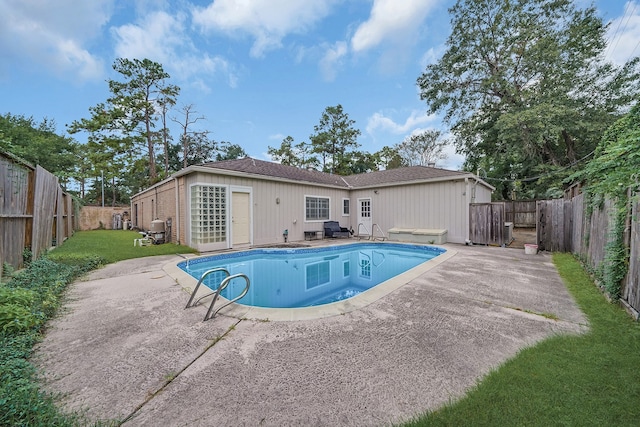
(211,313)
(192,303)
(371,235)
(373,229)
(360,236)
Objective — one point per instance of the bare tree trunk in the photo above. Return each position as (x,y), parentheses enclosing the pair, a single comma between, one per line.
(152,157)
(188,111)
(571,146)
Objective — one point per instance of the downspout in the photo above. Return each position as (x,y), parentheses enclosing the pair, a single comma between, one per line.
(470,198)
(177,226)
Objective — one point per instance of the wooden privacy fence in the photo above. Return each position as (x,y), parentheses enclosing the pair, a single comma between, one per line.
(34,211)
(522,213)
(487,221)
(566,226)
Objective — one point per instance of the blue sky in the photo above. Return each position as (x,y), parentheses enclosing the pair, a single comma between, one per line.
(258,70)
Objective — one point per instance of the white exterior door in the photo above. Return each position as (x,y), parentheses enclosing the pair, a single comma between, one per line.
(240,219)
(364,217)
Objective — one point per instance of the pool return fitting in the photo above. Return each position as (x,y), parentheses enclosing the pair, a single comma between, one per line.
(211,313)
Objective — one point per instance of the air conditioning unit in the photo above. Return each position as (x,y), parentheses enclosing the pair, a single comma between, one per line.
(508,233)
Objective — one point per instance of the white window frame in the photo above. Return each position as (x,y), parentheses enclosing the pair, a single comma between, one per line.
(348,205)
(319,219)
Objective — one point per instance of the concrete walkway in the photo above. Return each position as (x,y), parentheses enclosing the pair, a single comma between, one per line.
(124,348)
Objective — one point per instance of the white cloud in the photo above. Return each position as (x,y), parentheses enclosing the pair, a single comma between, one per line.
(391,20)
(332,60)
(156,37)
(162,37)
(42,33)
(267,21)
(378,121)
(624,35)
(452,160)
(417,122)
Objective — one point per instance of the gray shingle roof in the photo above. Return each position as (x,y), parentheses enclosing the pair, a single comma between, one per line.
(401,175)
(276,170)
(386,177)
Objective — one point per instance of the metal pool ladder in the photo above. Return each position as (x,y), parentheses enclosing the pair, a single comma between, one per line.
(370,235)
(211,313)
(373,229)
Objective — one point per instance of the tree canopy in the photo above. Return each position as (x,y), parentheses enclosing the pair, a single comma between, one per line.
(122,128)
(299,155)
(39,144)
(422,149)
(616,164)
(334,137)
(526,90)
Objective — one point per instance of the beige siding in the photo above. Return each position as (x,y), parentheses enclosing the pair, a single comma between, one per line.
(482,193)
(276,206)
(440,205)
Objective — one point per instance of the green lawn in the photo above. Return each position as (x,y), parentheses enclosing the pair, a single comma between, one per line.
(113,246)
(587,380)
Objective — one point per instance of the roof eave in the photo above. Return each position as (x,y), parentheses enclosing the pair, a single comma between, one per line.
(423,181)
(229,172)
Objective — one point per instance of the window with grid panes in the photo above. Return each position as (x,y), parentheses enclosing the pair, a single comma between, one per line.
(208,214)
(316,208)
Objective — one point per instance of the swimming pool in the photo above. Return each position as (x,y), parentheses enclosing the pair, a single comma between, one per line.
(310,277)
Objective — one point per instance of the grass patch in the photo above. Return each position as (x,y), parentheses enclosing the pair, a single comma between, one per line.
(113,246)
(30,298)
(588,380)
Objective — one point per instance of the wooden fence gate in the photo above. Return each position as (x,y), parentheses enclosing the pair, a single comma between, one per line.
(554,228)
(486,223)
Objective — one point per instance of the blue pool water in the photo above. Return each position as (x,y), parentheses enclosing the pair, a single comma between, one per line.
(288,278)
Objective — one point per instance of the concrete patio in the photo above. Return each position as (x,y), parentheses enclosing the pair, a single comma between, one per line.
(124,348)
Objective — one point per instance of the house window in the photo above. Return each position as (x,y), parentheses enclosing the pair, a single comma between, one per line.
(345,207)
(208,214)
(318,274)
(316,208)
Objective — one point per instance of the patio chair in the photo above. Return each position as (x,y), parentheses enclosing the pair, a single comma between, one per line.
(332,229)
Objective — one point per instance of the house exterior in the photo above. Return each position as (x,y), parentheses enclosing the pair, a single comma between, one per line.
(248,202)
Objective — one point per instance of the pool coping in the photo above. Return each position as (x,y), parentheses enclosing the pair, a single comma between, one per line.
(187,282)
